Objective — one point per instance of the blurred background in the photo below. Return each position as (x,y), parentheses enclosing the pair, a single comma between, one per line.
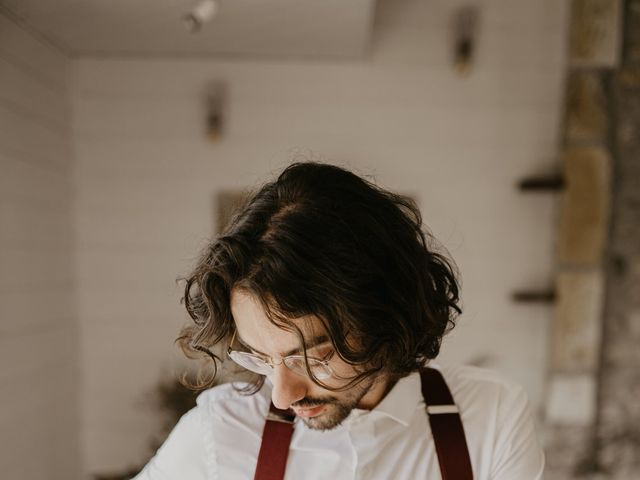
(128,129)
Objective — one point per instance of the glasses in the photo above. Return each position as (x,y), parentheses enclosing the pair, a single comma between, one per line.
(320,369)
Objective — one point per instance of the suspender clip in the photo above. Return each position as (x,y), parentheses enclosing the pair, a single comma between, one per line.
(441,409)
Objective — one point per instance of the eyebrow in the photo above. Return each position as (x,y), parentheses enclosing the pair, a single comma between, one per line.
(314,342)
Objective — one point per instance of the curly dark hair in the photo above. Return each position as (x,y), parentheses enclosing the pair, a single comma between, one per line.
(325,242)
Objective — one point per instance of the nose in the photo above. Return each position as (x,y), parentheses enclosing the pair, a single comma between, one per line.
(288,387)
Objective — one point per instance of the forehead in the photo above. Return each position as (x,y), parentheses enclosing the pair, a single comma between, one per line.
(255,328)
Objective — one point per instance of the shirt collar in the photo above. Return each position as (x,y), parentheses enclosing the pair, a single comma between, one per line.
(401,402)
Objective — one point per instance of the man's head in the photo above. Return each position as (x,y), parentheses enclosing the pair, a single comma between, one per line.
(322,253)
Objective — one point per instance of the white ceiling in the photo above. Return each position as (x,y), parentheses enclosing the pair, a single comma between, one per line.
(308,28)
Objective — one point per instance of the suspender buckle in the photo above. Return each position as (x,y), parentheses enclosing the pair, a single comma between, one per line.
(442,409)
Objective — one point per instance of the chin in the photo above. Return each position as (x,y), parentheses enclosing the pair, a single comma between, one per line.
(329,419)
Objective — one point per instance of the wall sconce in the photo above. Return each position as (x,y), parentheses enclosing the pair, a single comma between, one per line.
(215,104)
(465,31)
(202,13)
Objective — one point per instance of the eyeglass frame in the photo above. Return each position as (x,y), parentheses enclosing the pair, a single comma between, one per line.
(268,361)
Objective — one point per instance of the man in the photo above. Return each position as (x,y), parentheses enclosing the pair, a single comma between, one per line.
(327,288)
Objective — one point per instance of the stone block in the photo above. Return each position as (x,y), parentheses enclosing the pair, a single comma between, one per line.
(595,40)
(565,447)
(572,400)
(577,324)
(585,207)
(632,32)
(628,79)
(586,116)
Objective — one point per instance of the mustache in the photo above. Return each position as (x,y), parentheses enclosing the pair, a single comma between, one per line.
(313,402)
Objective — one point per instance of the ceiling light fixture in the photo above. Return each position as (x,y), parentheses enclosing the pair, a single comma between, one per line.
(202,13)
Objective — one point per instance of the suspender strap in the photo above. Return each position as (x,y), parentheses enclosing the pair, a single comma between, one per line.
(446,427)
(276,436)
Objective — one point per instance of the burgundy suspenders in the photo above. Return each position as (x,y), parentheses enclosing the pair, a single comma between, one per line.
(446,427)
(444,418)
(276,437)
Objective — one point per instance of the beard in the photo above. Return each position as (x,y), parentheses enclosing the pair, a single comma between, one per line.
(336,409)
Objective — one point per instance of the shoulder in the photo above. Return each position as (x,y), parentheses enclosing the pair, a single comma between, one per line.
(468,374)
(484,395)
(480,386)
(233,423)
(498,422)
(227,404)
(224,424)
(232,395)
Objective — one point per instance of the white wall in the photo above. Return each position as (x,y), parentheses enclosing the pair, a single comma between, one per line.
(38,333)
(147,177)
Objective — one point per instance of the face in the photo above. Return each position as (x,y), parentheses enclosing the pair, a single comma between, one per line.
(318,407)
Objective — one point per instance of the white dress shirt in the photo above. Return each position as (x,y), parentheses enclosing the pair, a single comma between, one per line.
(220,438)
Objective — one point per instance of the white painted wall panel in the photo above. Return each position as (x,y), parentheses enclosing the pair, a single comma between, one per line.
(35,95)
(39,418)
(25,137)
(32,181)
(34,449)
(39,61)
(147,178)
(21,315)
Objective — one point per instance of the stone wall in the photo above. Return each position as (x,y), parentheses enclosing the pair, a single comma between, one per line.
(618,427)
(593,408)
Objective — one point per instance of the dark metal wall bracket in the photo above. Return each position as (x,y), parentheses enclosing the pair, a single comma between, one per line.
(550,183)
(534,296)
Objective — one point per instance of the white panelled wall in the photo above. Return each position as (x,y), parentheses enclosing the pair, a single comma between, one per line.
(39,419)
